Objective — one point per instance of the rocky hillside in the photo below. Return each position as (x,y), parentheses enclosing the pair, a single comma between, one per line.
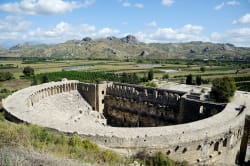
(127,47)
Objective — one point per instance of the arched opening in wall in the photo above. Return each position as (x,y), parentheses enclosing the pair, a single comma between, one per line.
(177,147)
(139,123)
(216,146)
(198,147)
(168,152)
(225,142)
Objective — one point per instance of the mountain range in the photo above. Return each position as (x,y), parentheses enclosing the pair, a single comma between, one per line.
(127,47)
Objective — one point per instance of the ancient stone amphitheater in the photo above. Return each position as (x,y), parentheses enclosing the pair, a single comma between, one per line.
(132,119)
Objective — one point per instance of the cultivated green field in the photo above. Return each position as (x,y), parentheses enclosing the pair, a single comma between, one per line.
(177,70)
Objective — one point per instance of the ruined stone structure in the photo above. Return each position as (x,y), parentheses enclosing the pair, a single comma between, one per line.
(132,119)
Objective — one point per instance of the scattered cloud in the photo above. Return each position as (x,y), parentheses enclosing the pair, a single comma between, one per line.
(61,32)
(220,6)
(43,7)
(167,2)
(104,32)
(13,24)
(233,3)
(152,24)
(139,5)
(15,30)
(239,37)
(243,20)
(87,28)
(229,3)
(124,23)
(186,33)
(128,4)
(12,29)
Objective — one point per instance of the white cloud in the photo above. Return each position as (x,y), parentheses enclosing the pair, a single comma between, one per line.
(167,2)
(191,29)
(19,32)
(186,33)
(233,3)
(104,32)
(239,37)
(126,4)
(152,24)
(139,5)
(243,20)
(43,7)
(220,6)
(229,3)
(87,28)
(13,24)
(124,23)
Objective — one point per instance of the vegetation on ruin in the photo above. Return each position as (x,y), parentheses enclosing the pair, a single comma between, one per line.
(40,139)
(151,84)
(158,159)
(44,141)
(223,89)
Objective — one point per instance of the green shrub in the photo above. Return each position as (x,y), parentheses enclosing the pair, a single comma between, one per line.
(151,84)
(159,159)
(2,116)
(202,69)
(5,76)
(28,71)
(150,75)
(165,76)
(223,89)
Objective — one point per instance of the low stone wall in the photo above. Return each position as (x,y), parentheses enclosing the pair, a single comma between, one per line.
(213,140)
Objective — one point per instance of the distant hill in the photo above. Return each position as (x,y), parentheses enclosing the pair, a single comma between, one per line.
(127,47)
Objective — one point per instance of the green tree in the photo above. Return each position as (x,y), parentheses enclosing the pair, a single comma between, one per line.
(223,89)
(45,79)
(34,80)
(150,75)
(165,76)
(198,80)
(189,79)
(28,71)
(202,69)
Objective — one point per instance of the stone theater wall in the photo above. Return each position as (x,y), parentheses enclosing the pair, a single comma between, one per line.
(141,119)
(137,106)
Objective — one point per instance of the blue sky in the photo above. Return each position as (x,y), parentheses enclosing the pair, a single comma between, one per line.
(56,21)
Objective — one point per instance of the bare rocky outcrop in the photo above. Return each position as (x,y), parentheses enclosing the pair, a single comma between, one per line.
(129,39)
(86,39)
